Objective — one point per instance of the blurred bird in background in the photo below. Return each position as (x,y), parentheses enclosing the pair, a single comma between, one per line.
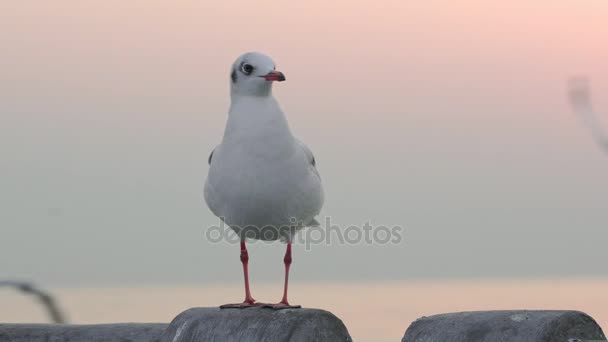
(580,98)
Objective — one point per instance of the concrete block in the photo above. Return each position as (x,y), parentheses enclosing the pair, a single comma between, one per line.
(124,332)
(256,324)
(505,326)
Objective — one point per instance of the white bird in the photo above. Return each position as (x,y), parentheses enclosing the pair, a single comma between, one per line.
(262,181)
(580,98)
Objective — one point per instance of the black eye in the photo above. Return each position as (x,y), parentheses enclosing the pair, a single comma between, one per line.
(247,69)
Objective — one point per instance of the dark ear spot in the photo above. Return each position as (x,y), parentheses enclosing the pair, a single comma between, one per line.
(233,76)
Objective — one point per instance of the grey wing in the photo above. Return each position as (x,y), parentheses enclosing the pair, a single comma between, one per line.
(310,156)
(210,156)
(308,152)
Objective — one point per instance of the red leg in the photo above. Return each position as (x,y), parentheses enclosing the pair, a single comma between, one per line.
(245,262)
(287,261)
(249,301)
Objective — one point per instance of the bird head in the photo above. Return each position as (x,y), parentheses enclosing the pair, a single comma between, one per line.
(252,74)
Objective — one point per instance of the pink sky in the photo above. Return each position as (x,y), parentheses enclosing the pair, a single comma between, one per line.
(446,117)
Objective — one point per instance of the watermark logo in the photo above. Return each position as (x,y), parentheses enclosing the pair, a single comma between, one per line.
(325,233)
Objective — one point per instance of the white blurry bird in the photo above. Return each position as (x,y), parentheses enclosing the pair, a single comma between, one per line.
(580,98)
(262,181)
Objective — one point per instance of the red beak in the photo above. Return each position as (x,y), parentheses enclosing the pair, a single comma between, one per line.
(274,76)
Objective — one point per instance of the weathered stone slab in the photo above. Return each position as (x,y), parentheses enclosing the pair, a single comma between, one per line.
(256,324)
(124,332)
(505,326)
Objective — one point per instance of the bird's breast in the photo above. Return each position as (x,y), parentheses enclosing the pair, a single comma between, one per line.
(261,187)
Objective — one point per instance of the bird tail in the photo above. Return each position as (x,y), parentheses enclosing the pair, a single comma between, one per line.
(314,223)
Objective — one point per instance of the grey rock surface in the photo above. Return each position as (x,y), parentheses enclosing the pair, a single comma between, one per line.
(124,332)
(505,326)
(255,324)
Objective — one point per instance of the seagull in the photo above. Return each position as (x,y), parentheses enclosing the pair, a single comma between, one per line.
(262,181)
(580,98)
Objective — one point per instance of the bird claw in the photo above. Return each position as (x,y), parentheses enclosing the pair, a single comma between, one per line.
(281,306)
(242,305)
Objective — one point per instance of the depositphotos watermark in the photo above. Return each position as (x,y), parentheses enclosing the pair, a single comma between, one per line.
(327,233)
